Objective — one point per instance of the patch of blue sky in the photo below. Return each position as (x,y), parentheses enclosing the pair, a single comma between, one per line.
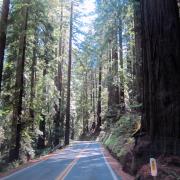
(88,10)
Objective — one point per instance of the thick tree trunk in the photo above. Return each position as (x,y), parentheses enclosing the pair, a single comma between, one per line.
(19,88)
(113,87)
(67,129)
(58,121)
(3,29)
(161,74)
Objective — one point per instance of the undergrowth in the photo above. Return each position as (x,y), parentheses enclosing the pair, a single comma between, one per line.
(117,137)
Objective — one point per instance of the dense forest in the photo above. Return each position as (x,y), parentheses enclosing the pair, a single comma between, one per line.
(68,74)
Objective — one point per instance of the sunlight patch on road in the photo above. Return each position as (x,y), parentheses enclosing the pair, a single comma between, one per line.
(71,165)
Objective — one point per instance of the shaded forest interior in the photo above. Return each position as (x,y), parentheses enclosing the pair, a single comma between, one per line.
(67,72)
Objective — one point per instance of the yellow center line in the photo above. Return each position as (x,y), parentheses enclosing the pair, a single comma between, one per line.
(70,166)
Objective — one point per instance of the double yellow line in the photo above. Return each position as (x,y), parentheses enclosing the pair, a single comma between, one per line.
(70,166)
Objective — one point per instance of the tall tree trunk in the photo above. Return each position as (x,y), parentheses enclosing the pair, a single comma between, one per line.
(96,92)
(93,95)
(113,87)
(122,97)
(3,29)
(99,99)
(86,98)
(84,104)
(33,74)
(67,129)
(19,88)
(58,117)
(161,74)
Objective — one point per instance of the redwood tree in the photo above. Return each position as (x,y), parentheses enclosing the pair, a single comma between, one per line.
(67,129)
(58,119)
(161,74)
(99,119)
(17,124)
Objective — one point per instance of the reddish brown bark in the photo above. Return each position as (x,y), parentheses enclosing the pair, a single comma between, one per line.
(161,74)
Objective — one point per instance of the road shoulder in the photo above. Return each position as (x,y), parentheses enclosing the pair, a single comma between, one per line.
(115,165)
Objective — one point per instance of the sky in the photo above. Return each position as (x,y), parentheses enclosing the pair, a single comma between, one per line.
(0,4)
(88,7)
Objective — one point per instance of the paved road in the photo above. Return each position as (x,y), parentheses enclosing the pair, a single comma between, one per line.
(80,161)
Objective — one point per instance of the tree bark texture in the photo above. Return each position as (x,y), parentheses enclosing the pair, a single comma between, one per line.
(161,74)
(113,87)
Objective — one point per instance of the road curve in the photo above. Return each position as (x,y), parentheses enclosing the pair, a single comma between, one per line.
(80,161)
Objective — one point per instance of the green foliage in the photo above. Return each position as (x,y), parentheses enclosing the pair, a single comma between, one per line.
(14,164)
(111,141)
(42,39)
(119,140)
(2,137)
(26,145)
(124,125)
(43,152)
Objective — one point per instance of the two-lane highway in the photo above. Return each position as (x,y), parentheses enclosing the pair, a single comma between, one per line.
(80,161)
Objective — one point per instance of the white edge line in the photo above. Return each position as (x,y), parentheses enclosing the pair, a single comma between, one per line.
(20,171)
(109,167)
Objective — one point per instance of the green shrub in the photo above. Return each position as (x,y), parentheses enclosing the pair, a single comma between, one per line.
(118,138)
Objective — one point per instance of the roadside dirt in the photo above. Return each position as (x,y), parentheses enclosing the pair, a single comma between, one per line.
(116,166)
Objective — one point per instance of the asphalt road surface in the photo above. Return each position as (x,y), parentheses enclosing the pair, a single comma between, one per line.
(80,161)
